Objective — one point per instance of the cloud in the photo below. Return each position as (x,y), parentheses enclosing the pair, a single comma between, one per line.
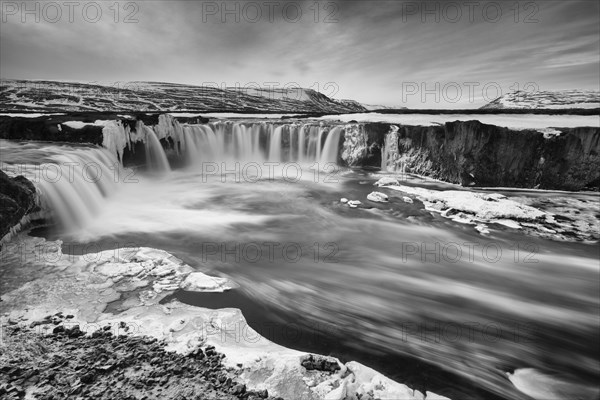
(373,49)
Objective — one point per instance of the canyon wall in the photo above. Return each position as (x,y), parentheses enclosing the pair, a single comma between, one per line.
(474,154)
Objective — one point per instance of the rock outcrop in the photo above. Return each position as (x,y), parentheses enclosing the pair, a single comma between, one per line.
(471,153)
(17,199)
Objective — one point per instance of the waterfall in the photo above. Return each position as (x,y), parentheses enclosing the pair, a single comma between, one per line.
(225,141)
(319,143)
(275,145)
(302,143)
(389,152)
(155,154)
(74,185)
(331,146)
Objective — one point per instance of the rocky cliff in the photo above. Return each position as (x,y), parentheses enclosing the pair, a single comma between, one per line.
(17,199)
(471,153)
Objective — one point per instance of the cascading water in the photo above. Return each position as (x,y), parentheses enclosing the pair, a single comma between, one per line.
(302,143)
(155,154)
(232,141)
(389,152)
(73,183)
(331,147)
(275,146)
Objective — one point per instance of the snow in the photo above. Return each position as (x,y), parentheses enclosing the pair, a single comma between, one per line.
(516,122)
(115,138)
(542,386)
(354,203)
(199,282)
(387,181)
(550,132)
(23,115)
(80,124)
(185,115)
(250,116)
(378,197)
(522,99)
(483,207)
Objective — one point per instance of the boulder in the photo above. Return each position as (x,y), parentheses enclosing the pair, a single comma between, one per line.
(17,199)
(378,197)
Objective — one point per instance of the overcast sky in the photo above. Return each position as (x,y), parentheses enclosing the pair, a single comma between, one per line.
(375,52)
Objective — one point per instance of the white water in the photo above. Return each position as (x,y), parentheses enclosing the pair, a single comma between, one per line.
(226,141)
(74,183)
(276,145)
(155,155)
(330,149)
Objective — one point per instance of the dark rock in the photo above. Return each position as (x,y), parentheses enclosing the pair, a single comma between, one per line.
(17,199)
(59,329)
(471,153)
(87,377)
(320,363)
(239,389)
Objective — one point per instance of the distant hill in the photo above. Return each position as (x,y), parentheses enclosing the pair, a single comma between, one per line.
(53,96)
(372,107)
(546,99)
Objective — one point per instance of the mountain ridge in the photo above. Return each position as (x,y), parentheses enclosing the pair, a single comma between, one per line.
(560,99)
(55,96)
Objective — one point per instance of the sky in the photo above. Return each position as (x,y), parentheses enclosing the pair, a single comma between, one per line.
(417,54)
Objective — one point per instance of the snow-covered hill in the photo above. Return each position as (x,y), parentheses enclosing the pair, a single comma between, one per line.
(372,107)
(545,99)
(52,96)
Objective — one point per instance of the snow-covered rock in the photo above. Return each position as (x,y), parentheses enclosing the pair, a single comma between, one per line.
(542,386)
(547,99)
(378,197)
(354,203)
(483,207)
(199,282)
(387,181)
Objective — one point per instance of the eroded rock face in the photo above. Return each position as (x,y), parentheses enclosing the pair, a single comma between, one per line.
(472,153)
(17,199)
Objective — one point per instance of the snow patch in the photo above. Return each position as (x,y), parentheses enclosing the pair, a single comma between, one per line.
(199,282)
